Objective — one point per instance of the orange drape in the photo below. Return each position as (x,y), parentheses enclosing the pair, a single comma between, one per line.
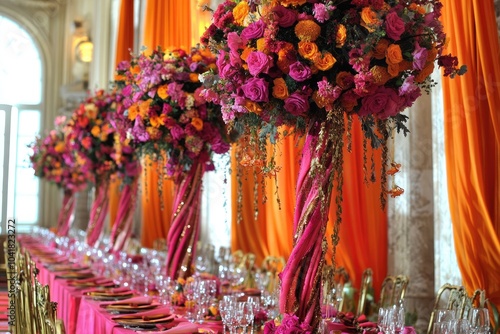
(124,43)
(167,24)
(363,234)
(472,142)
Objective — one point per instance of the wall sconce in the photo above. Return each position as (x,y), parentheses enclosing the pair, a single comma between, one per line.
(84,51)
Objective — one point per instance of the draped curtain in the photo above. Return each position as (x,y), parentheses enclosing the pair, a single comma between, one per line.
(363,234)
(124,45)
(472,142)
(166,24)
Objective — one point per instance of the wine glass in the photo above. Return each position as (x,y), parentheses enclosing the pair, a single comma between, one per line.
(479,320)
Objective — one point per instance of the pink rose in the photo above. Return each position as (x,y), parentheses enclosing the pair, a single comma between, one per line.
(254,30)
(297,104)
(299,72)
(394,26)
(419,57)
(234,42)
(258,62)
(385,102)
(286,17)
(320,12)
(256,89)
(177,132)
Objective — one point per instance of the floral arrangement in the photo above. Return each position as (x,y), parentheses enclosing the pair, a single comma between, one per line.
(90,133)
(125,159)
(289,324)
(162,109)
(291,61)
(313,65)
(53,160)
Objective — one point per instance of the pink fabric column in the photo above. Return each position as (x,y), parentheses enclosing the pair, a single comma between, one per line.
(122,228)
(66,213)
(184,230)
(98,213)
(301,278)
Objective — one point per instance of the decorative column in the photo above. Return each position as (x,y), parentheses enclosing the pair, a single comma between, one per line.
(411,216)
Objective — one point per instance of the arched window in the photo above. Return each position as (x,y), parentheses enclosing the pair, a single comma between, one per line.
(21,73)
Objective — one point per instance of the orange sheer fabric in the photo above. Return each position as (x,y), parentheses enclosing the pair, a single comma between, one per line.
(124,42)
(363,234)
(472,143)
(167,24)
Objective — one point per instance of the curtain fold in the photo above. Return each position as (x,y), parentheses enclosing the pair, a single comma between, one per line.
(124,43)
(472,142)
(167,24)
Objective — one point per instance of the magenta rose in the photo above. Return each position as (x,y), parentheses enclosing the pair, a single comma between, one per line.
(254,30)
(299,72)
(177,132)
(394,26)
(234,41)
(286,17)
(269,327)
(258,62)
(385,102)
(297,104)
(290,321)
(256,89)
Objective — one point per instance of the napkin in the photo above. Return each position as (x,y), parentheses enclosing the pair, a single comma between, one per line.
(140,300)
(162,311)
(181,328)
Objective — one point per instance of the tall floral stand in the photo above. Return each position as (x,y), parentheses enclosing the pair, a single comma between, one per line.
(321,165)
(122,228)
(64,219)
(185,226)
(98,212)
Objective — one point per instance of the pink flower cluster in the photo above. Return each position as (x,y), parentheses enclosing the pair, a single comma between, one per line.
(161,108)
(289,325)
(53,160)
(293,61)
(90,135)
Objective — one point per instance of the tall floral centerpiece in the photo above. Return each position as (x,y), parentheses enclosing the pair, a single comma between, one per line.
(90,133)
(128,170)
(163,112)
(313,65)
(54,161)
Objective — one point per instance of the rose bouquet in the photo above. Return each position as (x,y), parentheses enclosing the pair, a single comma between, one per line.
(53,160)
(90,133)
(163,112)
(313,65)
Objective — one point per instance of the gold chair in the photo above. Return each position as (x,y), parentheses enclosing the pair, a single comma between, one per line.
(365,288)
(334,281)
(449,297)
(393,290)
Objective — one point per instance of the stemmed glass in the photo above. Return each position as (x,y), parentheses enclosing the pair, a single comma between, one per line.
(230,315)
(247,315)
(479,320)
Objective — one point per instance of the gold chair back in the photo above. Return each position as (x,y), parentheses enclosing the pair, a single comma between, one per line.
(449,297)
(334,281)
(366,286)
(393,290)
(160,244)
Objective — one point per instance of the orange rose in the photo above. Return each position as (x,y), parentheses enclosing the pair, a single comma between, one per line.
(197,123)
(162,92)
(193,77)
(196,58)
(393,69)
(287,3)
(261,45)
(91,110)
(341,35)
(144,107)
(380,74)
(135,69)
(308,49)
(342,80)
(96,130)
(86,142)
(120,77)
(393,54)
(253,107)
(381,48)
(133,111)
(431,55)
(405,65)
(246,52)
(283,62)
(426,71)
(60,147)
(240,12)
(280,89)
(324,61)
(156,121)
(307,30)
(369,19)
